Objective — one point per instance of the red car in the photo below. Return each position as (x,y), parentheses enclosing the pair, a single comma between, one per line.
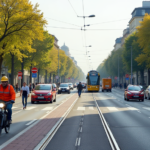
(43,93)
(134,92)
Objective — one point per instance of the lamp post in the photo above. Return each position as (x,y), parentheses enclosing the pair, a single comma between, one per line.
(131,64)
(58,65)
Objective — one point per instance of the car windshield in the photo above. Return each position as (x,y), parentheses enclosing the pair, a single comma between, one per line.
(43,87)
(70,83)
(63,85)
(134,88)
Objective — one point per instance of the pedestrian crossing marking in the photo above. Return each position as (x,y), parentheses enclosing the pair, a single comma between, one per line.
(148,108)
(132,108)
(81,108)
(112,108)
(30,108)
(47,108)
(14,107)
(91,108)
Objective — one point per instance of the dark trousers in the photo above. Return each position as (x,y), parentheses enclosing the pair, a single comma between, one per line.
(24,102)
(79,92)
(9,109)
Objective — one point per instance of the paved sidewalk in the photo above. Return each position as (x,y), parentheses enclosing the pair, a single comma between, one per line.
(31,138)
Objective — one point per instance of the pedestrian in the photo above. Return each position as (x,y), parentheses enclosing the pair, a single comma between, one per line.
(17,86)
(30,87)
(33,85)
(25,94)
(79,87)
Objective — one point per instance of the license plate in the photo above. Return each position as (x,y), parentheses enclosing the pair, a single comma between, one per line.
(106,85)
(135,96)
(63,90)
(40,97)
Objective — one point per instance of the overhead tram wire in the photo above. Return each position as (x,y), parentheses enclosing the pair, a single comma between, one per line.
(72,7)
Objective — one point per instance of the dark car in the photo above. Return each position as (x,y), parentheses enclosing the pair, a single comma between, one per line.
(64,88)
(134,92)
(43,93)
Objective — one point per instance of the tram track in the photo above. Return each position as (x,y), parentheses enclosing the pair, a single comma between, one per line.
(114,145)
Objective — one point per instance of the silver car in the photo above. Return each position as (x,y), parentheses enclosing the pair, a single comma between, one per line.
(147,92)
(71,86)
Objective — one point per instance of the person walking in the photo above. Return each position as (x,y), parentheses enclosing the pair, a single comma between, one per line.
(17,86)
(25,94)
(79,87)
(30,87)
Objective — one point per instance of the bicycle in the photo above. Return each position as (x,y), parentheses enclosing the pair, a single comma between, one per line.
(4,123)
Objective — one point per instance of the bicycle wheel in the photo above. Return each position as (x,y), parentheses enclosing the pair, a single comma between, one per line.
(7,127)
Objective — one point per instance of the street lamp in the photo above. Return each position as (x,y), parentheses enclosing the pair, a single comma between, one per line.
(91,16)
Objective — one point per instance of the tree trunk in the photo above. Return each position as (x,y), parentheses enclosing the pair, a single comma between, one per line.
(137,81)
(31,74)
(142,77)
(50,77)
(45,76)
(39,75)
(22,70)
(53,78)
(12,69)
(148,76)
(1,61)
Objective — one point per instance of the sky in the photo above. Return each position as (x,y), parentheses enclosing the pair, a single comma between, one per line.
(111,18)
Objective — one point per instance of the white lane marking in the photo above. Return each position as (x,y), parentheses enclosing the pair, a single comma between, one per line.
(132,108)
(91,108)
(128,105)
(31,122)
(81,129)
(14,107)
(47,112)
(148,108)
(112,108)
(81,108)
(79,140)
(139,111)
(16,112)
(47,108)
(76,142)
(30,108)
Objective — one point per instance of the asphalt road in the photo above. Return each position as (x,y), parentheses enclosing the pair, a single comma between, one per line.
(129,121)
(21,119)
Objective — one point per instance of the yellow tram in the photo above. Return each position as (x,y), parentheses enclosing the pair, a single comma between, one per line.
(93,81)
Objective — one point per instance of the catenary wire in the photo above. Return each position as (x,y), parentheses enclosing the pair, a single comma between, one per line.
(72,7)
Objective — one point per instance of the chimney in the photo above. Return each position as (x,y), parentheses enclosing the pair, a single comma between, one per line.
(146,3)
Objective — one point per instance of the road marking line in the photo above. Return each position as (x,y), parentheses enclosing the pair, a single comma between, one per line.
(81,108)
(31,122)
(47,112)
(47,108)
(81,129)
(14,107)
(139,111)
(79,141)
(132,108)
(76,142)
(128,105)
(16,112)
(112,108)
(91,108)
(30,108)
(148,108)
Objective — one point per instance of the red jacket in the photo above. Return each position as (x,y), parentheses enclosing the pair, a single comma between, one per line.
(8,93)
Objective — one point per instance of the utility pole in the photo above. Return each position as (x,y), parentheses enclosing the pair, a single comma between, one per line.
(131,64)
(118,70)
(58,65)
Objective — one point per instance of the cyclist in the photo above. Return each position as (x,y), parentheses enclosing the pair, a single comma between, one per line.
(79,87)
(7,94)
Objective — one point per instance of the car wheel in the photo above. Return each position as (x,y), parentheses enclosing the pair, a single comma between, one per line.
(102,90)
(110,90)
(127,99)
(124,97)
(69,92)
(32,102)
(142,100)
(145,96)
(148,97)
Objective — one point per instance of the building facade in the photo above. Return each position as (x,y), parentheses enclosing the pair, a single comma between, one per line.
(117,43)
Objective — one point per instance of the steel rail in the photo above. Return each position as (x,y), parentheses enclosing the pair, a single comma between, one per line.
(114,145)
(42,145)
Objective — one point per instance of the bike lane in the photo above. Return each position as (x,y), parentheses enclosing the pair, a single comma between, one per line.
(33,136)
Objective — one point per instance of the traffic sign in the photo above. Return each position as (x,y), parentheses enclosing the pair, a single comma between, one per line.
(34,70)
(19,73)
(127,76)
(19,77)
(34,75)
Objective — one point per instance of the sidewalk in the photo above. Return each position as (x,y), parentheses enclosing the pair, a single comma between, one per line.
(34,135)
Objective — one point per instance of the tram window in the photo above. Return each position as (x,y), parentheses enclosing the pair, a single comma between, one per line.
(93,80)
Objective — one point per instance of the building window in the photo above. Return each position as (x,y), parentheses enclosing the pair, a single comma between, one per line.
(143,12)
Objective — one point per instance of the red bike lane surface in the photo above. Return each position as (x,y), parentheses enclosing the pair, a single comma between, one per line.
(30,139)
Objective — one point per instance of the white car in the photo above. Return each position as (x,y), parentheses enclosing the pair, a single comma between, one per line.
(147,92)
(71,86)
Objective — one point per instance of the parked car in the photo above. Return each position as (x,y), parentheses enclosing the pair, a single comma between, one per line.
(64,88)
(43,93)
(75,85)
(134,92)
(147,92)
(71,86)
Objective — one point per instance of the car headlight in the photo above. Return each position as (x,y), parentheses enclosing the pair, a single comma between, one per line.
(1,105)
(67,88)
(59,88)
(48,94)
(128,92)
(142,92)
(33,94)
